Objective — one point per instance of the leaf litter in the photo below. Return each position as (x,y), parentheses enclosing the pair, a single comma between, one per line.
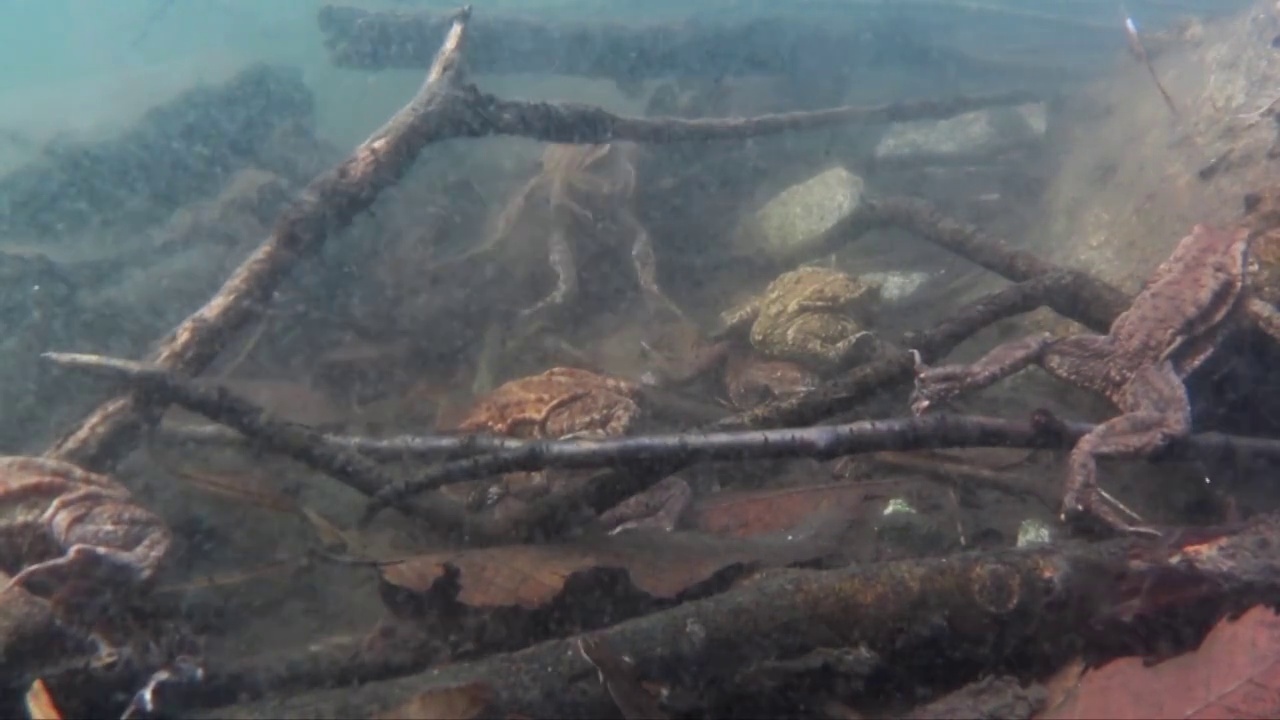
(1235,673)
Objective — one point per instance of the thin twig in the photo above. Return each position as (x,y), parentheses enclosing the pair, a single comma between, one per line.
(299,442)
(416,448)
(822,442)
(1079,296)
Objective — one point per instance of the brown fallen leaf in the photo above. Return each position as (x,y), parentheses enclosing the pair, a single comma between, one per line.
(40,705)
(662,565)
(1235,673)
(459,702)
(778,511)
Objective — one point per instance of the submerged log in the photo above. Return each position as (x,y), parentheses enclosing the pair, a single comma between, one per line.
(932,624)
(628,53)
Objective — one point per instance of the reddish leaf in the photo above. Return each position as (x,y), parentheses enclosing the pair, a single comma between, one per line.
(660,564)
(459,702)
(40,705)
(771,512)
(1235,673)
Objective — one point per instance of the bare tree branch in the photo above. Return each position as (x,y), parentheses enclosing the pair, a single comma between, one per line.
(330,202)
(822,442)
(991,611)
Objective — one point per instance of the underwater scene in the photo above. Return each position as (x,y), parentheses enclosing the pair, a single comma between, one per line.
(601,359)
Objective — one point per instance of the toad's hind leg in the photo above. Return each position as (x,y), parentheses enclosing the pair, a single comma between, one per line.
(1157,410)
(936,384)
(645,263)
(560,256)
(809,340)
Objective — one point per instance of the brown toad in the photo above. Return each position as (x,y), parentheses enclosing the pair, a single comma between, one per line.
(750,380)
(1172,327)
(685,356)
(63,526)
(811,315)
(589,191)
(561,402)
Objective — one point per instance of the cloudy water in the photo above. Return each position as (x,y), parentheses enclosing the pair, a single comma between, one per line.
(664,359)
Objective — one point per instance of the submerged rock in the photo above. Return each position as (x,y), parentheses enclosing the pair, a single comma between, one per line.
(974,133)
(1034,532)
(800,214)
(896,286)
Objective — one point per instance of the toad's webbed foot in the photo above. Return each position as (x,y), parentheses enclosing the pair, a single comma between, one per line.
(1112,513)
(936,384)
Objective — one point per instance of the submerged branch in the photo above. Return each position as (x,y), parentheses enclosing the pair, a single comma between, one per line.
(329,203)
(442,109)
(822,442)
(992,612)
(1079,296)
(546,517)
(155,384)
(571,123)
(417,448)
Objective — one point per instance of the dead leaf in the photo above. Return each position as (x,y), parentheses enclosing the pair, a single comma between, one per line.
(775,512)
(1235,673)
(529,576)
(460,702)
(40,705)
